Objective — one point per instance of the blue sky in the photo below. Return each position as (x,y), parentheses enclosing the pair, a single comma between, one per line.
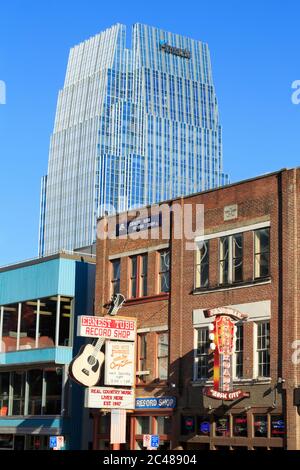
(254,47)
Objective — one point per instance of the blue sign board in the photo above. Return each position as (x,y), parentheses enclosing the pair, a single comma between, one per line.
(138,225)
(53,442)
(155,403)
(154,441)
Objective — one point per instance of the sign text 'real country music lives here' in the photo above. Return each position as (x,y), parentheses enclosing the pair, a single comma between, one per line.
(120,328)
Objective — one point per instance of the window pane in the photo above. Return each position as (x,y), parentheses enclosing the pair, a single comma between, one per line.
(143,425)
(53,379)
(28,325)
(47,322)
(64,324)
(133,287)
(202,353)
(203,424)
(164,260)
(202,278)
(115,281)
(35,382)
(224,260)
(262,252)
(144,272)
(10,328)
(239,346)
(163,351)
(163,424)
(165,284)
(240,425)
(263,348)
(222,426)
(4,393)
(260,426)
(277,426)
(133,266)
(18,392)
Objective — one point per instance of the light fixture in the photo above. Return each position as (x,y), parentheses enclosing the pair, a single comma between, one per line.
(44,312)
(247,408)
(66,315)
(62,299)
(34,304)
(10,309)
(67,307)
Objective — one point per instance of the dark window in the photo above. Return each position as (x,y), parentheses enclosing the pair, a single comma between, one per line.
(18,381)
(142,351)
(35,382)
(144,275)
(260,426)
(163,424)
(202,264)
(240,425)
(138,275)
(262,253)
(4,393)
(47,328)
(203,425)
(224,260)
(134,275)
(53,378)
(164,271)
(115,276)
(187,425)
(237,258)
(277,426)
(222,426)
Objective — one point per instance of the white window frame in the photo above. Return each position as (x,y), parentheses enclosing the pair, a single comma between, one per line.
(196,360)
(234,362)
(255,277)
(255,337)
(230,258)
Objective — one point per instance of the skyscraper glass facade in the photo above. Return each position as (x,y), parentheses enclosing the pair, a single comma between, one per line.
(133,127)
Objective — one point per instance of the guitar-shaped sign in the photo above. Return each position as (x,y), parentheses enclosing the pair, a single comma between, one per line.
(85,368)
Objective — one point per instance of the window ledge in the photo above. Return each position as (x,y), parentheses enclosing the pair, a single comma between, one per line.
(240,285)
(255,381)
(149,298)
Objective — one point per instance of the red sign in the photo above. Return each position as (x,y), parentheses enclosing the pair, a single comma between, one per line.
(226,396)
(223,341)
(120,328)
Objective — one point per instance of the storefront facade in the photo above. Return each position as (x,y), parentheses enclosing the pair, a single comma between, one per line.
(244,260)
(39,303)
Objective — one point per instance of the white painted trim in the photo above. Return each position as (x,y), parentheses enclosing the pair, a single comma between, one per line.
(57,321)
(140,251)
(244,228)
(37,326)
(257,311)
(19,325)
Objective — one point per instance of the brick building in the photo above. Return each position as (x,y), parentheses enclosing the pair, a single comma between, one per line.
(247,260)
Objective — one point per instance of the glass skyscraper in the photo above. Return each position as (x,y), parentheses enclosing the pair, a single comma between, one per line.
(133,127)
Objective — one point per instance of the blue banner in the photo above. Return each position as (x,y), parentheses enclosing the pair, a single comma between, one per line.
(155,403)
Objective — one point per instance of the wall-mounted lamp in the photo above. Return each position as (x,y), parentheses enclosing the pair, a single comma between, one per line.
(247,408)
